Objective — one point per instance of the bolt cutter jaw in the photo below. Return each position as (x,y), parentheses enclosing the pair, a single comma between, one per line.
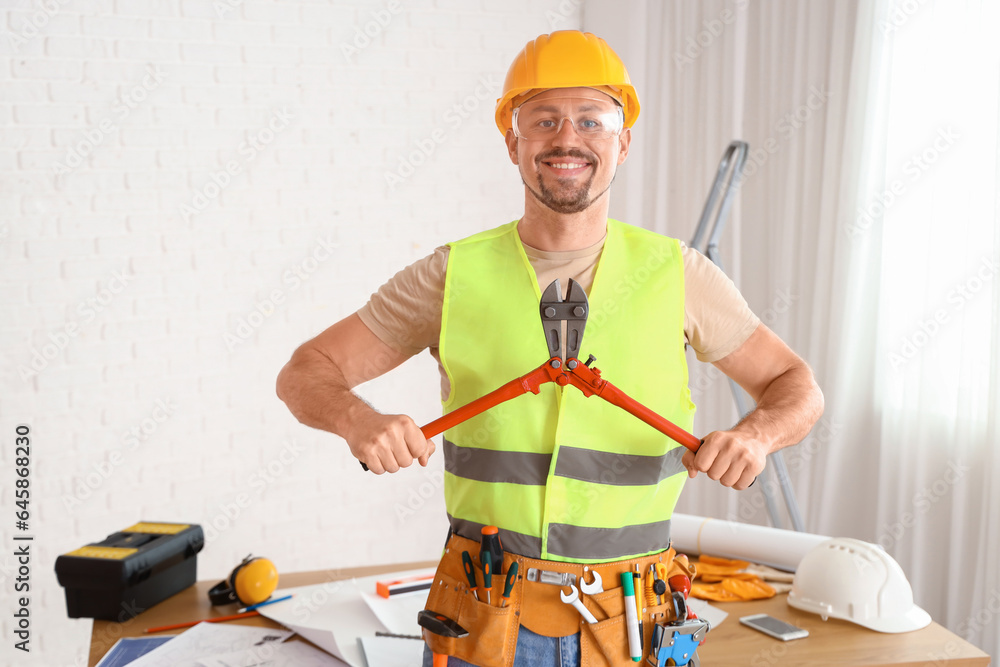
(573,311)
(584,376)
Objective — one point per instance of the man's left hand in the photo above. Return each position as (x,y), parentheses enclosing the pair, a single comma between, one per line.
(731,458)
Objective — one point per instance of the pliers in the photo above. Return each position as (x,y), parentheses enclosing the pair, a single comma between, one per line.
(554,312)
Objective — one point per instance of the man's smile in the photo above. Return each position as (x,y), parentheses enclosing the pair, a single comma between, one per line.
(566,167)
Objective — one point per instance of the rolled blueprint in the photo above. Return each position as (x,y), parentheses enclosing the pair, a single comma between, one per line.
(776,547)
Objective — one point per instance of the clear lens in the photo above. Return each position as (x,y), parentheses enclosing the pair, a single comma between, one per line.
(591,118)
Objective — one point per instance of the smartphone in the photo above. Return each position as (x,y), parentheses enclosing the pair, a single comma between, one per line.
(773,627)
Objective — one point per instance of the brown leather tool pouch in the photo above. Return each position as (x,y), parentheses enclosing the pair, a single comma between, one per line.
(492,629)
(605,644)
(492,638)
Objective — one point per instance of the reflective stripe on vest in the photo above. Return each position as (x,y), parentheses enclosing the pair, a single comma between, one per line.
(487,465)
(565,477)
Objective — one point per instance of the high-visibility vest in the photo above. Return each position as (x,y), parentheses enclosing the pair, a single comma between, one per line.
(565,477)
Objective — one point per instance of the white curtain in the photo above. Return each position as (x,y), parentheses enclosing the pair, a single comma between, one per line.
(937,208)
(865,234)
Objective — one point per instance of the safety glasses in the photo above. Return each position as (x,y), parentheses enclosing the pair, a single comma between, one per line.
(591,118)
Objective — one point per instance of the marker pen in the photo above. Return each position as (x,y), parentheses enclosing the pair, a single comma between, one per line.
(631,618)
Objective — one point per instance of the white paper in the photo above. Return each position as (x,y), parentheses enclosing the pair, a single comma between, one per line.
(398,613)
(779,548)
(707,612)
(288,654)
(392,651)
(333,615)
(208,639)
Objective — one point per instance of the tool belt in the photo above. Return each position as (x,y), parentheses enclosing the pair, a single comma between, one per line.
(492,628)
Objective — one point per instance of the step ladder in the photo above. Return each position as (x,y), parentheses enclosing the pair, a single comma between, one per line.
(706,241)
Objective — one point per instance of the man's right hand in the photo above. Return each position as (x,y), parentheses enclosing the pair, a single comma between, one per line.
(316,386)
(386,443)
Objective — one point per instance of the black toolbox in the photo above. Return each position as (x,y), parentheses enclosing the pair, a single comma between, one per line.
(130,571)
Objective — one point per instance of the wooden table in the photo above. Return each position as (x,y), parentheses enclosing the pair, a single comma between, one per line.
(831,642)
(192,603)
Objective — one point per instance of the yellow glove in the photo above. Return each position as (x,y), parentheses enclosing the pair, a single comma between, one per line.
(724,580)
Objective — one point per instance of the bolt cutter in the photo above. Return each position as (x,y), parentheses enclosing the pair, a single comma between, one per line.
(554,312)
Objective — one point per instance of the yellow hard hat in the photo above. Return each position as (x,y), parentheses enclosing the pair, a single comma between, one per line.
(567,59)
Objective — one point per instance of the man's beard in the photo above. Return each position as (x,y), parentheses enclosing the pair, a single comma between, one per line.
(572,201)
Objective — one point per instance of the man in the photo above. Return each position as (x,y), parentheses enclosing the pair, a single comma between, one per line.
(570,481)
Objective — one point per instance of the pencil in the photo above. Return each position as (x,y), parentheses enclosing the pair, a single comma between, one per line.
(263,604)
(217,619)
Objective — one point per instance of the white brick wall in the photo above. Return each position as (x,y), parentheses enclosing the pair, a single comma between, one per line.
(144,103)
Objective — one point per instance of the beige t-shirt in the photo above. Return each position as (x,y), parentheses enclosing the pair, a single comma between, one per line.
(405,313)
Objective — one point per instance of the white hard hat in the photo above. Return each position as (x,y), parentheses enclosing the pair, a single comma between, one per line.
(859,582)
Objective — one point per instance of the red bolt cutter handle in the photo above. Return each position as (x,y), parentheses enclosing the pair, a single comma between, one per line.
(528,382)
(616,396)
(589,381)
(585,379)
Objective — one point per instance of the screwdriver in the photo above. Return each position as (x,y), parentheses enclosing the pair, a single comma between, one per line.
(470,572)
(511,578)
(487,560)
(490,541)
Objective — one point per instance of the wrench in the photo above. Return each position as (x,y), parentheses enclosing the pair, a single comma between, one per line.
(574,599)
(596,587)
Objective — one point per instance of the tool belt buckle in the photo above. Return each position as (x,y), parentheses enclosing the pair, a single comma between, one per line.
(549,577)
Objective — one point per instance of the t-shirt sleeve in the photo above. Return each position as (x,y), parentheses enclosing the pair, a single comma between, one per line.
(405,312)
(717,319)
